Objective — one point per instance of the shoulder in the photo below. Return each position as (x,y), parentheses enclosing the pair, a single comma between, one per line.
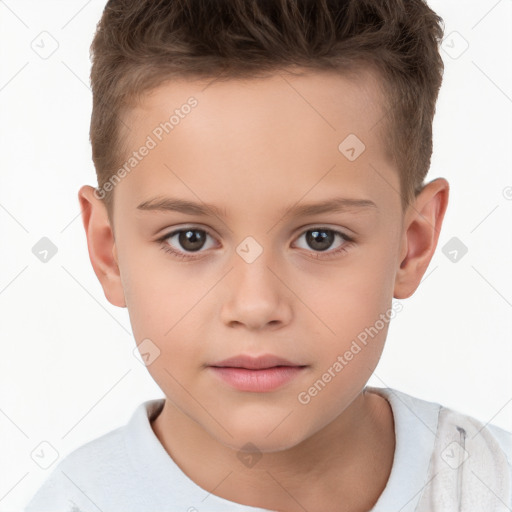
(87,472)
(406,408)
(470,465)
(504,439)
(64,489)
(474,431)
(464,459)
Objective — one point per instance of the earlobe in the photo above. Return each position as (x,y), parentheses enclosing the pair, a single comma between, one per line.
(101,245)
(423,221)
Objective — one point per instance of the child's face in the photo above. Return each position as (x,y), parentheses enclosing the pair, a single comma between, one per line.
(259,282)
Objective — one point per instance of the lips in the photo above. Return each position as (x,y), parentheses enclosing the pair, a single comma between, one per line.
(256,374)
(254,363)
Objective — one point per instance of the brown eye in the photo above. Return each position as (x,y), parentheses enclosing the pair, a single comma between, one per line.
(191,239)
(186,241)
(320,240)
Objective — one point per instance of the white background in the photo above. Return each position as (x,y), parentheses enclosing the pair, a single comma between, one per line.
(67,371)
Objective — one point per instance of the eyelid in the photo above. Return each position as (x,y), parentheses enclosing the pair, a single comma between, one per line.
(348,233)
(167,232)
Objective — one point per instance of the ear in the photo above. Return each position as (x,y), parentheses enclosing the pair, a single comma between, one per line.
(422,224)
(101,245)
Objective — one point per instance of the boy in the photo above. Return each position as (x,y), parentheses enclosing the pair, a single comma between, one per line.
(260,202)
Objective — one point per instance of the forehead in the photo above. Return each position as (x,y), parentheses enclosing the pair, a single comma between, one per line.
(280,133)
(336,100)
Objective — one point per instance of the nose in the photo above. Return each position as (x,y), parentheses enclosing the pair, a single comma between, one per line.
(256,296)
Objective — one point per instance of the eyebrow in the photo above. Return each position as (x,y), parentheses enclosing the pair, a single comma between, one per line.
(336,204)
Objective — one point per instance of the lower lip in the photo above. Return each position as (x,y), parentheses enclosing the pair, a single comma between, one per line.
(258,381)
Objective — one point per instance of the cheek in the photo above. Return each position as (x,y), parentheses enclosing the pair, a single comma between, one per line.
(352,297)
(153,298)
(354,304)
(165,307)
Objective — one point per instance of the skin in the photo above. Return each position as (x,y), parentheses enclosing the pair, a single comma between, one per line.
(257,147)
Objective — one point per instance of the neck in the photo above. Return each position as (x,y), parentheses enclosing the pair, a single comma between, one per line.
(344,466)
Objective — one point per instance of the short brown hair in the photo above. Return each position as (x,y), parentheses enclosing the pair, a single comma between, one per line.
(139,44)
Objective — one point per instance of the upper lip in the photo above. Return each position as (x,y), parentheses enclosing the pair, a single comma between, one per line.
(254,363)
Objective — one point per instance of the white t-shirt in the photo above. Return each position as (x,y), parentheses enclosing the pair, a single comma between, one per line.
(128,469)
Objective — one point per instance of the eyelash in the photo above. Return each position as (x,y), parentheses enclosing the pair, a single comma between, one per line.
(320,254)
